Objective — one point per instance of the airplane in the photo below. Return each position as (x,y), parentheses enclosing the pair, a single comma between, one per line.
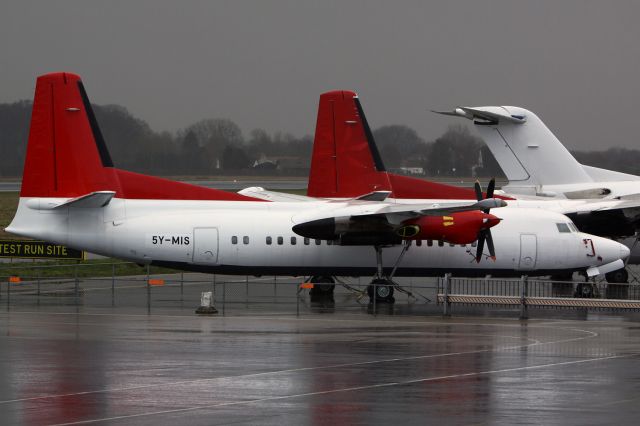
(346,162)
(72,194)
(535,161)
(537,164)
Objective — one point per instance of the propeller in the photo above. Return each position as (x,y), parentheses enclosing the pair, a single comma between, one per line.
(485,233)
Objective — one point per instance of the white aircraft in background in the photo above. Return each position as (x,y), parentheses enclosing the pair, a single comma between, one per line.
(72,194)
(346,163)
(537,164)
(535,161)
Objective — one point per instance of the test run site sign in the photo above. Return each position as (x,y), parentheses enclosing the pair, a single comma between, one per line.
(38,250)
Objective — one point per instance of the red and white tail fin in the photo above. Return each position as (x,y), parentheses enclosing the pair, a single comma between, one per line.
(67,156)
(346,162)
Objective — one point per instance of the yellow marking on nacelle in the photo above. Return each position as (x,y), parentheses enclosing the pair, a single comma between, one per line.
(447,223)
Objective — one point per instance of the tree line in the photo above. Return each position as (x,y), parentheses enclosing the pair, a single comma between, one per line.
(217,146)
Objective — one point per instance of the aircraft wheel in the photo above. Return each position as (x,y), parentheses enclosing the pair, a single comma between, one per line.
(619,276)
(584,290)
(322,285)
(383,291)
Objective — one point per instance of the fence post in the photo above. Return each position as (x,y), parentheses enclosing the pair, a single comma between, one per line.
(246,289)
(224,295)
(38,283)
(524,292)
(148,289)
(275,285)
(182,286)
(447,305)
(75,275)
(213,288)
(375,297)
(113,284)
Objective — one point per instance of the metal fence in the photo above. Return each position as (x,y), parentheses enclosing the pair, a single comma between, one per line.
(527,292)
(77,285)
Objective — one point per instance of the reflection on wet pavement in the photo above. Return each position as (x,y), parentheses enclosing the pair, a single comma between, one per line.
(328,369)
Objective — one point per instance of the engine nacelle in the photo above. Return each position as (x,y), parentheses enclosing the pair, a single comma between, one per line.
(456,228)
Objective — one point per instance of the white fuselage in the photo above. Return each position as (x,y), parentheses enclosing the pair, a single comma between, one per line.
(232,237)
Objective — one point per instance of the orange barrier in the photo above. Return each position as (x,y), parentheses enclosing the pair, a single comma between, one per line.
(156,281)
(306,285)
(15,280)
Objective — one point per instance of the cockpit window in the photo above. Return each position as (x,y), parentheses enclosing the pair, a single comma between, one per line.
(563,227)
(573,227)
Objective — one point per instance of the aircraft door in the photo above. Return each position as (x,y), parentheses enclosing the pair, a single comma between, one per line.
(528,251)
(205,246)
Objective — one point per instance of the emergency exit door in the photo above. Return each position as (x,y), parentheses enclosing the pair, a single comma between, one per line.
(528,251)
(205,246)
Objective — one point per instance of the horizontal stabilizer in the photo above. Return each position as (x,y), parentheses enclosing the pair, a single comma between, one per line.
(266,195)
(489,115)
(375,196)
(94,200)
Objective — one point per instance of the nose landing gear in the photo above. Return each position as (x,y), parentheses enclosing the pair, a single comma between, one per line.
(382,286)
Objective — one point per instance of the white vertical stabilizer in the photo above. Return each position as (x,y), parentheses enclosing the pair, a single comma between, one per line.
(527,151)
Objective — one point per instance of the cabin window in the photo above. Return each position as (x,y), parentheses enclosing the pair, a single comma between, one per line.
(418,243)
(563,227)
(280,241)
(234,240)
(269,241)
(451,245)
(293,241)
(245,240)
(306,241)
(430,243)
(318,242)
(329,242)
(474,244)
(440,243)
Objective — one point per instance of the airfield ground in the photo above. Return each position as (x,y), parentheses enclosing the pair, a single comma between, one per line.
(272,358)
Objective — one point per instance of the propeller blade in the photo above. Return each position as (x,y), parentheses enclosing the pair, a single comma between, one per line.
(491,187)
(481,237)
(492,250)
(478,191)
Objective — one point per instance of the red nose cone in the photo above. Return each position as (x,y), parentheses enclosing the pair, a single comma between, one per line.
(489,220)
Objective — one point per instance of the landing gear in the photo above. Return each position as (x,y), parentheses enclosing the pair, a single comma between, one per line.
(585,290)
(619,276)
(322,285)
(382,286)
(618,287)
(383,289)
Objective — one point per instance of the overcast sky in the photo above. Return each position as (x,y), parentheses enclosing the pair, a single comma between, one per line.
(264,63)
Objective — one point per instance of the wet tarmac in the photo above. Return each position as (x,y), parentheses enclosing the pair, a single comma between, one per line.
(260,363)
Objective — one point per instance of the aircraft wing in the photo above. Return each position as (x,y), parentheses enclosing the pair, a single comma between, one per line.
(374,223)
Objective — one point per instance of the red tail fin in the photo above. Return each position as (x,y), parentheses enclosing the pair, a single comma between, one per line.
(346,162)
(67,155)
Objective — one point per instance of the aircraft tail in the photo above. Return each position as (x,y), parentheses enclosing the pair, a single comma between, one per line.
(527,151)
(346,162)
(66,153)
(67,156)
